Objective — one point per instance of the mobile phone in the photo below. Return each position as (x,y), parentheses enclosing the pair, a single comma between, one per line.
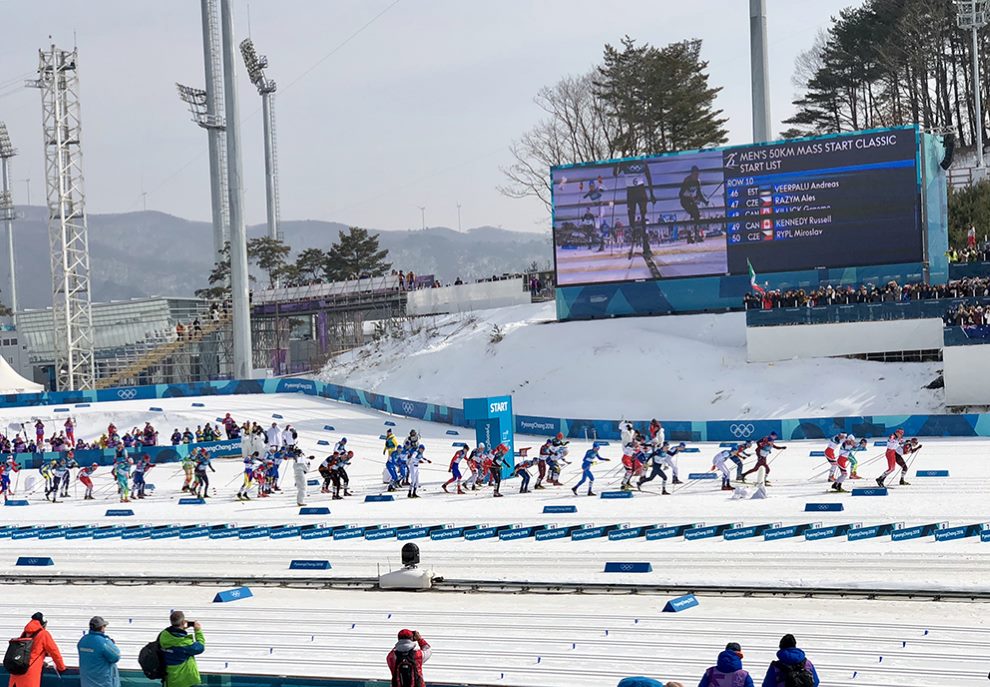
(190,623)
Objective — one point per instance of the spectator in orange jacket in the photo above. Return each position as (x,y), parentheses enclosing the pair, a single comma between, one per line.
(44,646)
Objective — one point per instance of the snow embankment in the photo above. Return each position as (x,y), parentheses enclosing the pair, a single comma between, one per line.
(690,367)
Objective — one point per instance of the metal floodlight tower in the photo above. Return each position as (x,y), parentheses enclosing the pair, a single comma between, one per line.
(256,65)
(972,15)
(239,294)
(67,232)
(7,210)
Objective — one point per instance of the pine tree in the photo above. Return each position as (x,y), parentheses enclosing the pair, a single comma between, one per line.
(310,264)
(219,279)
(355,254)
(269,255)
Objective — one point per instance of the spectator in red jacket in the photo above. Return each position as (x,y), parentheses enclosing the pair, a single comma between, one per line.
(406,659)
(43,647)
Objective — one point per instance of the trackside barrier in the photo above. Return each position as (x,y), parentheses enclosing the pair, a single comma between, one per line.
(680,603)
(817,533)
(917,531)
(232,595)
(775,533)
(34,561)
(616,567)
(817,507)
(747,532)
(872,531)
(950,533)
(309,565)
(708,531)
(870,491)
(729,431)
(932,473)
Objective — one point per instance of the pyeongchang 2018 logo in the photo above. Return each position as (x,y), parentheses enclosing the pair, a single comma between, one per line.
(297,386)
(537,426)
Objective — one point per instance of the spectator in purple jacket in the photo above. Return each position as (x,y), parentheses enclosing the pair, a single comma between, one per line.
(792,662)
(728,670)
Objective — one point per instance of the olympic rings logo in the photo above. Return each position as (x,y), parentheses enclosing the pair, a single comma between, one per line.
(127,394)
(739,430)
(626,567)
(408,408)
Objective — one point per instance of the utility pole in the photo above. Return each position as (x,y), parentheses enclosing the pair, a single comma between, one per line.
(972,15)
(422,212)
(239,295)
(7,211)
(760,67)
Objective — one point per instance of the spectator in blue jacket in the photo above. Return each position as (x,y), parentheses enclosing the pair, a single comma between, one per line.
(728,670)
(789,659)
(98,657)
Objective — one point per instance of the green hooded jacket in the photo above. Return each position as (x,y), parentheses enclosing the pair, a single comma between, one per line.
(180,649)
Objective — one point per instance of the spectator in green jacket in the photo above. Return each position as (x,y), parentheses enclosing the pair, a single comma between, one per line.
(180,649)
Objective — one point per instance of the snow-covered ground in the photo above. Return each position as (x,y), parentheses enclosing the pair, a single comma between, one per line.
(677,368)
(526,640)
(542,638)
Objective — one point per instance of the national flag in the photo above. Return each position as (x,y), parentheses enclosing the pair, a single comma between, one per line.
(752,278)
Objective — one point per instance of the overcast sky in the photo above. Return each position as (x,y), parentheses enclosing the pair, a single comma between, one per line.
(416,110)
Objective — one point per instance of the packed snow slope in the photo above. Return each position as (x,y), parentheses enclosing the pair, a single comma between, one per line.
(690,367)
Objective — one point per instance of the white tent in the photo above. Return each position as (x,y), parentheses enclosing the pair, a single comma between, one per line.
(13,383)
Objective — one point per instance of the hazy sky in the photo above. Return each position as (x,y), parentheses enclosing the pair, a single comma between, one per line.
(417,110)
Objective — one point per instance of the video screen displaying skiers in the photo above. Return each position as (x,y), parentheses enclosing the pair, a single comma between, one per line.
(640,219)
(838,201)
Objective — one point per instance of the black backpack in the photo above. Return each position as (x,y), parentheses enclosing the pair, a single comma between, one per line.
(152,661)
(406,674)
(795,674)
(17,660)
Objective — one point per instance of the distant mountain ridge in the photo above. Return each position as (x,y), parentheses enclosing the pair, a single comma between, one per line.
(140,254)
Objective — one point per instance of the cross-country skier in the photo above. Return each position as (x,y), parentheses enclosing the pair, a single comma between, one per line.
(189,470)
(655,461)
(249,464)
(895,457)
(668,456)
(541,463)
(590,458)
(85,475)
(413,462)
(343,481)
(141,467)
(495,467)
(474,461)
(122,473)
(763,447)
(719,463)
(203,464)
(844,460)
(521,469)
(834,444)
(455,470)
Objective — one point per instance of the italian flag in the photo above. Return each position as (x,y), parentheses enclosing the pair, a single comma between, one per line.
(752,278)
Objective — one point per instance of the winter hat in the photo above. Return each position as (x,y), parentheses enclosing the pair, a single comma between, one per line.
(405,634)
(39,617)
(788,642)
(735,648)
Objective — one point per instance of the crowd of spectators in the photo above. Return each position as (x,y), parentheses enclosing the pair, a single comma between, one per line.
(65,439)
(965,315)
(891,292)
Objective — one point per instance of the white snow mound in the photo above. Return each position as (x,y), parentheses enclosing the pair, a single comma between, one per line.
(689,367)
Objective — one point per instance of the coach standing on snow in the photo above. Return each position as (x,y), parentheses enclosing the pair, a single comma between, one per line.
(98,657)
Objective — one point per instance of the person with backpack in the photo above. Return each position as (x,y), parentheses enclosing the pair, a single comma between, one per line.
(180,649)
(728,670)
(406,659)
(98,657)
(25,657)
(792,668)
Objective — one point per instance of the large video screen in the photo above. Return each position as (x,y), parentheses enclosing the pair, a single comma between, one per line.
(839,201)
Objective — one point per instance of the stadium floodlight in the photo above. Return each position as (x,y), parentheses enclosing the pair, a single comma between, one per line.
(196,99)
(972,15)
(256,65)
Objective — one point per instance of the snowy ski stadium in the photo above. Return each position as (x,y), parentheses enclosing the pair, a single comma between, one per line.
(729,424)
